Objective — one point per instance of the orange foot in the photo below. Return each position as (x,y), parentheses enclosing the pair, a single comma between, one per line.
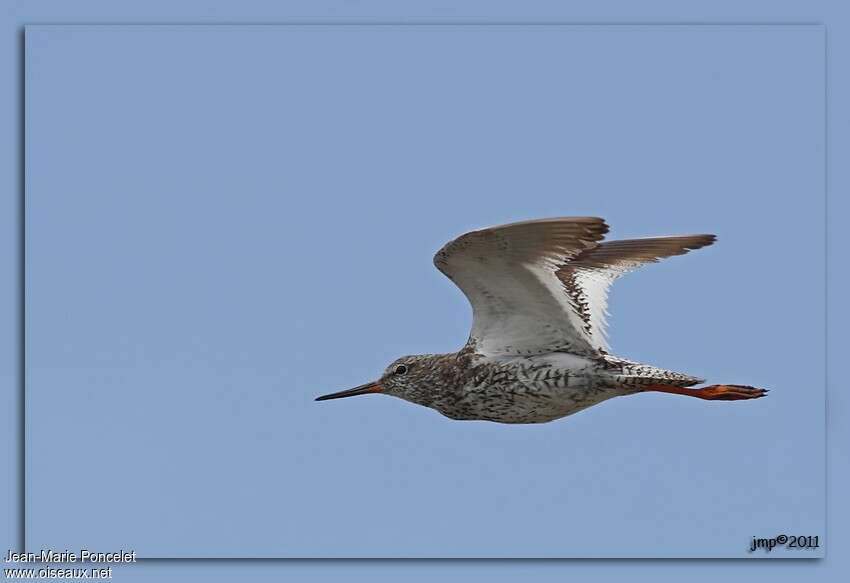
(713,392)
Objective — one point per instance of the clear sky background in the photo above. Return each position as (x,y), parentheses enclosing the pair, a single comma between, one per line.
(224,222)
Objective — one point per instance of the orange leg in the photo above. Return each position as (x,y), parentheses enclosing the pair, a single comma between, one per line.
(713,392)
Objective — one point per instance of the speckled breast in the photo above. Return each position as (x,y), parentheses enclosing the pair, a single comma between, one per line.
(526,392)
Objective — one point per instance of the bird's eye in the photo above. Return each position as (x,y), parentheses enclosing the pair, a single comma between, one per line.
(400,369)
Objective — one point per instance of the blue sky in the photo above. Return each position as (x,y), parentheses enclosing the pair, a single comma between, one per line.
(224,222)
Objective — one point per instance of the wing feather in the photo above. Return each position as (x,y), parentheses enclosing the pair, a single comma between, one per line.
(508,275)
(588,276)
(542,286)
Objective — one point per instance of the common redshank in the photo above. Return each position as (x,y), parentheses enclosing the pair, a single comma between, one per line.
(538,350)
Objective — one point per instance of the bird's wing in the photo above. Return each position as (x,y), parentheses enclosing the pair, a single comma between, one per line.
(508,273)
(589,275)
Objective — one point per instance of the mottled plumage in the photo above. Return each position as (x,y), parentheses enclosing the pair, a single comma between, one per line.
(537,350)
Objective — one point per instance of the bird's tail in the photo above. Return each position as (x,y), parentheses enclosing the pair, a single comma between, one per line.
(637,374)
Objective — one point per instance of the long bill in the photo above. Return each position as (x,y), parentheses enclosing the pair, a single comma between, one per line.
(373,387)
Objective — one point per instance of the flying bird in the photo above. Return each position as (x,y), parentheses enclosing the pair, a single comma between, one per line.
(537,350)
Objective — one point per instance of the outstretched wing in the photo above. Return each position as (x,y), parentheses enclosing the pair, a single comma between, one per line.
(589,275)
(508,273)
(542,286)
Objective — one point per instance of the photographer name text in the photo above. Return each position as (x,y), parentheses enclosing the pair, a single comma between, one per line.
(66,556)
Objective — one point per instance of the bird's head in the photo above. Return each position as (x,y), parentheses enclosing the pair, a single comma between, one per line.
(407,377)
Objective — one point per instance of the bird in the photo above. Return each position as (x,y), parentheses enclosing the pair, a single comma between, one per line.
(538,348)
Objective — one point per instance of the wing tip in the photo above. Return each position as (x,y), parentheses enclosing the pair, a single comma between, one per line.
(685,242)
(587,220)
(700,241)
